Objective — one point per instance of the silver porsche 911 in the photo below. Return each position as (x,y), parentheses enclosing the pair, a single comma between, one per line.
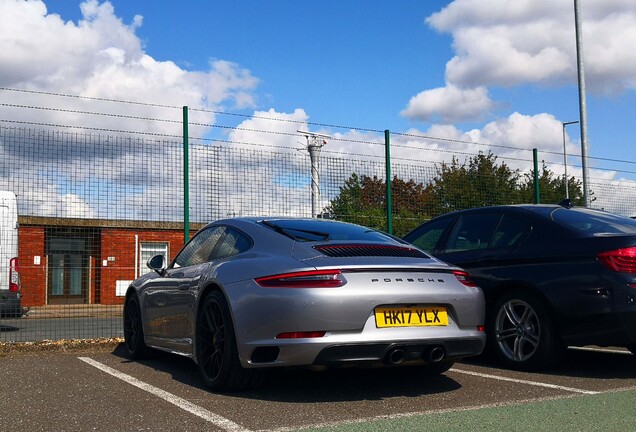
(248,294)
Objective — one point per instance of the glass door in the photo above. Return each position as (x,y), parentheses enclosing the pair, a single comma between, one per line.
(68,273)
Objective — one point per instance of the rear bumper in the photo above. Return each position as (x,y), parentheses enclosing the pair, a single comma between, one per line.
(601,313)
(396,353)
(387,352)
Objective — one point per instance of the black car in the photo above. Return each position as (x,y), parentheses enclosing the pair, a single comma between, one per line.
(553,275)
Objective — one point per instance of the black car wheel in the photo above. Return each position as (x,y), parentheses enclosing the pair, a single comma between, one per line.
(217,355)
(521,333)
(133,329)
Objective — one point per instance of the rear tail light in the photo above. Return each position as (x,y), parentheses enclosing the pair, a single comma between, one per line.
(305,279)
(620,260)
(14,277)
(464,278)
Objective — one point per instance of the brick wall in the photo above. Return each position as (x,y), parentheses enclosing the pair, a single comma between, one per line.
(118,255)
(112,260)
(32,274)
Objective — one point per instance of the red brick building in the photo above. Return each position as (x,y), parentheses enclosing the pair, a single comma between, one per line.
(88,261)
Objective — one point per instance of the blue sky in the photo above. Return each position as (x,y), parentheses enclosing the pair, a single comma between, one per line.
(353,62)
(358,63)
(479,72)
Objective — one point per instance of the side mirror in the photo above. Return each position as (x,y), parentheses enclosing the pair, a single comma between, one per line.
(158,264)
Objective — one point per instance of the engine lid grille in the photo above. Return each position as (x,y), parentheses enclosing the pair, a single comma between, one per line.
(369,250)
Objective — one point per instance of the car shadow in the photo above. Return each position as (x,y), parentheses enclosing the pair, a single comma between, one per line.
(181,369)
(301,385)
(8,328)
(349,384)
(598,364)
(581,363)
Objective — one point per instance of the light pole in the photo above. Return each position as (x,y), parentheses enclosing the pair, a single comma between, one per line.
(582,103)
(565,159)
(315,141)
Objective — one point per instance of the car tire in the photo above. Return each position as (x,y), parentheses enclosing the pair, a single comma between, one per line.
(216,351)
(133,329)
(521,333)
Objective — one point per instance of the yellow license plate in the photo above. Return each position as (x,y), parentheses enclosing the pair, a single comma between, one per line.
(411,316)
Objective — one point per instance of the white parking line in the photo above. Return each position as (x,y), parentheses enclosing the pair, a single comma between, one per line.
(209,416)
(603,350)
(533,383)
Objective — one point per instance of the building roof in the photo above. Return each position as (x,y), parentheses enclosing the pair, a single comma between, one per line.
(103,223)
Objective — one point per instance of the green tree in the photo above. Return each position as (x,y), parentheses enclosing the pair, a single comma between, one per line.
(478,182)
(551,188)
(362,200)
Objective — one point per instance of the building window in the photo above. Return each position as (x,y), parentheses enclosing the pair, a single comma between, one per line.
(147,250)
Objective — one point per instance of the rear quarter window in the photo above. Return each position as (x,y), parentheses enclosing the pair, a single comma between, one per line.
(427,236)
(593,222)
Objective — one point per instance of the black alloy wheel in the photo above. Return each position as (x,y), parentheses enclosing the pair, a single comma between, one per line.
(216,351)
(133,329)
(521,333)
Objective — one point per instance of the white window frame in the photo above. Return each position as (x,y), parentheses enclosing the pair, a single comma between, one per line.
(148,249)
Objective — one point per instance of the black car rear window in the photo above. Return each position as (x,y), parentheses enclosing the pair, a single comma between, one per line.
(593,221)
(319,230)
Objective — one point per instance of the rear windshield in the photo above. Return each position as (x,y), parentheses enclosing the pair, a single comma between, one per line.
(321,230)
(594,221)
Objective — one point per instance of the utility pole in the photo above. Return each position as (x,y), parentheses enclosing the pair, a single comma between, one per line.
(315,142)
(582,103)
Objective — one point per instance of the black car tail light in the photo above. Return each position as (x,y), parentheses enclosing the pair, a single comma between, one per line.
(619,260)
(304,279)
(464,278)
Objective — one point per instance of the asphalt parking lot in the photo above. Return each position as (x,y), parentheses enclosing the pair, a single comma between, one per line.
(99,389)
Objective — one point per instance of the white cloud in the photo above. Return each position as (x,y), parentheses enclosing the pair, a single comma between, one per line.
(511,139)
(101,57)
(450,104)
(74,206)
(533,41)
(541,131)
(510,43)
(271,129)
(494,58)
(617,196)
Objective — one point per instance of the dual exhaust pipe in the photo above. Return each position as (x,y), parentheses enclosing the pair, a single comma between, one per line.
(397,355)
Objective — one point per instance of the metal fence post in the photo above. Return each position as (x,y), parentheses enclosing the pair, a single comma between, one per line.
(537,191)
(389,204)
(186,179)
